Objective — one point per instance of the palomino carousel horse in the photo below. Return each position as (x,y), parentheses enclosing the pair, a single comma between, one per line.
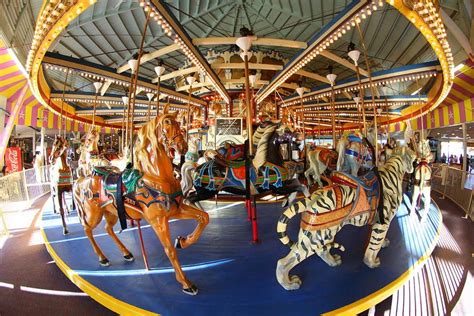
(267,172)
(372,199)
(352,153)
(61,177)
(422,181)
(149,191)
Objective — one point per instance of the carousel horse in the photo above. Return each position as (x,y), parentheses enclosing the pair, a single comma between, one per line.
(189,165)
(319,159)
(149,191)
(369,200)
(352,153)
(422,181)
(61,177)
(267,172)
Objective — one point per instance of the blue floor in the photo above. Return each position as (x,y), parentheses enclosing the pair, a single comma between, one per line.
(237,277)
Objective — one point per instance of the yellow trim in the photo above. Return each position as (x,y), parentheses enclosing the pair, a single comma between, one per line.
(97,294)
(378,296)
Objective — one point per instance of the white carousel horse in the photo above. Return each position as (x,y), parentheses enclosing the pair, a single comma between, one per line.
(422,183)
(189,165)
(353,154)
(351,200)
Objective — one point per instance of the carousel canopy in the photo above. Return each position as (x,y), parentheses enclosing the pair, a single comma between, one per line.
(404,63)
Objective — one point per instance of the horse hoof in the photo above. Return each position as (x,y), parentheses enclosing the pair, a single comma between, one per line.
(193,290)
(177,242)
(65,232)
(129,257)
(105,262)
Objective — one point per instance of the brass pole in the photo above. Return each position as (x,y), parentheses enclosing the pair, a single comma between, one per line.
(362,102)
(333,116)
(62,105)
(371,90)
(158,97)
(134,89)
(189,111)
(93,112)
(304,128)
(149,110)
(247,100)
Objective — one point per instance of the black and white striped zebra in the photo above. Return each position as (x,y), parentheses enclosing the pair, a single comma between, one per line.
(327,203)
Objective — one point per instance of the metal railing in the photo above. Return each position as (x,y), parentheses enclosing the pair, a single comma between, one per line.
(455,184)
(26,185)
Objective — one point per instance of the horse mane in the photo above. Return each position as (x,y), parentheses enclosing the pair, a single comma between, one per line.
(262,146)
(147,143)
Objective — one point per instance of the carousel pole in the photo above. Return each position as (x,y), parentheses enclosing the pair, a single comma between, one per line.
(150,97)
(97,86)
(332,79)
(190,80)
(245,42)
(384,90)
(159,71)
(300,91)
(125,100)
(62,105)
(372,92)
(135,67)
(354,54)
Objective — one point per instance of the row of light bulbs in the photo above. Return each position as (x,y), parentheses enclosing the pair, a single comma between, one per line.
(331,39)
(355,87)
(168,30)
(101,78)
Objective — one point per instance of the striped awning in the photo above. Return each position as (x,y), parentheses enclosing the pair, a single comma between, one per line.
(32,113)
(457,108)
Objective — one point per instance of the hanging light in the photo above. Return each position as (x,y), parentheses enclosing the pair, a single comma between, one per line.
(332,78)
(133,63)
(190,80)
(150,96)
(300,91)
(353,53)
(97,86)
(160,69)
(245,41)
(125,100)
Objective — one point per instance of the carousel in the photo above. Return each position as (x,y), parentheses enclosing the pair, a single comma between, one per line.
(243,138)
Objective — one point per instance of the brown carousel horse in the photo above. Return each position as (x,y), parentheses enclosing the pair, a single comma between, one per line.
(149,191)
(61,176)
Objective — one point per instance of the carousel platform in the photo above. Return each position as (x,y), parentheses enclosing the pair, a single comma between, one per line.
(234,276)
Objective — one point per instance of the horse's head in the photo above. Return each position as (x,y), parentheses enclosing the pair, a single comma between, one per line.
(170,134)
(285,133)
(59,146)
(90,140)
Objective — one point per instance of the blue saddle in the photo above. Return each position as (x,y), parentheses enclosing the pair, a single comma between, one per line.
(354,138)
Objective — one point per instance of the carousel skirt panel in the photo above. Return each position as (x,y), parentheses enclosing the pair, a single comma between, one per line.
(234,276)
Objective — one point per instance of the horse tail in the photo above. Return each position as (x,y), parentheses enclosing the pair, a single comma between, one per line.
(290,212)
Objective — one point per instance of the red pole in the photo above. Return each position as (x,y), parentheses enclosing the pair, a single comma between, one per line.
(254,221)
(142,245)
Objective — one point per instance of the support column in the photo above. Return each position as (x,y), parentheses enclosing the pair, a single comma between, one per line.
(464,153)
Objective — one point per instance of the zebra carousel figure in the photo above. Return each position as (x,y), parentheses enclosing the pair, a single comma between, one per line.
(369,200)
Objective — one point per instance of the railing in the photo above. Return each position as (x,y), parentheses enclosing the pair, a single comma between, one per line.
(455,184)
(25,185)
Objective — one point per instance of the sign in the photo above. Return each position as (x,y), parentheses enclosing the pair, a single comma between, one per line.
(13,159)
(228,126)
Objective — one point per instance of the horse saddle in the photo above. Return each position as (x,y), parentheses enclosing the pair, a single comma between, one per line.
(328,157)
(234,164)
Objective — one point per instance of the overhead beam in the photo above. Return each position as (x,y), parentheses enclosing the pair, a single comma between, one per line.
(181,34)
(312,75)
(81,65)
(316,41)
(458,34)
(150,56)
(343,62)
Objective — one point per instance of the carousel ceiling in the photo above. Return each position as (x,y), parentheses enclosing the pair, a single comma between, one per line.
(198,38)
